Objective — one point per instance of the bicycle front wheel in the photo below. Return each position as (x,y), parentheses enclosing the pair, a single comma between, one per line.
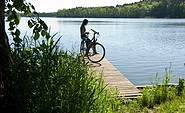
(96,53)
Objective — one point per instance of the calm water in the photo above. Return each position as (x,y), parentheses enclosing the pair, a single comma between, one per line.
(138,48)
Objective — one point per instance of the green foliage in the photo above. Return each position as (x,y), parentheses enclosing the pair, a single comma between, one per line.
(174,106)
(158,94)
(147,103)
(180,87)
(46,79)
(142,9)
(13,7)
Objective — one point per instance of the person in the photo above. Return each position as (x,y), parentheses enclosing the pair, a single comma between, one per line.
(84,33)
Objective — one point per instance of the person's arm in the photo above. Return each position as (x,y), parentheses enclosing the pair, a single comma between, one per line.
(83,32)
(86,32)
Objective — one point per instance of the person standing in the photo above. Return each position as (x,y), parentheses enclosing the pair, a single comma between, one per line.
(84,33)
(84,36)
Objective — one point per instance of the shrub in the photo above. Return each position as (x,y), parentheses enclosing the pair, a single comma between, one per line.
(180,87)
(46,79)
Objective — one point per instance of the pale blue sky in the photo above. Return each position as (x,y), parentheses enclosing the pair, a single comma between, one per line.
(54,5)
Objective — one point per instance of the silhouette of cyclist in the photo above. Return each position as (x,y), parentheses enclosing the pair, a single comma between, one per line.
(84,34)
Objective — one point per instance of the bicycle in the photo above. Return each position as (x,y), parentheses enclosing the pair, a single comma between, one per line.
(95,51)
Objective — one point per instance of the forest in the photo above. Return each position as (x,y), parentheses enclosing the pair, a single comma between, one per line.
(142,9)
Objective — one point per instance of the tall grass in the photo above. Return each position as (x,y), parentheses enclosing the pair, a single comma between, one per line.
(46,79)
(160,93)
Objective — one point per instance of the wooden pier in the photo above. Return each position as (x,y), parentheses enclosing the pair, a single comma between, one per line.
(114,79)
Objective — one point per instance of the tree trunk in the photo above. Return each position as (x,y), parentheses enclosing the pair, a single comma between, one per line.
(5,58)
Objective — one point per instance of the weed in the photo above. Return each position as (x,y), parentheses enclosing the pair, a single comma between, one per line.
(180,87)
(158,93)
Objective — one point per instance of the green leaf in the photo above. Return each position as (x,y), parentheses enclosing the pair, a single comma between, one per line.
(17,19)
(47,36)
(17,40)
(39,28)
(32,7)
(27,11)
(49,42)
(9,6)
(11,17)
(11,25)
(17,4)
(30,24)
(43,25)
(8,12)
(34,12)
(17,32)
(43,33)
(36,36)
(36,28)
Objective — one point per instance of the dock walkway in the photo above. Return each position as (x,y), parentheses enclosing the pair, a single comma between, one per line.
(114,79)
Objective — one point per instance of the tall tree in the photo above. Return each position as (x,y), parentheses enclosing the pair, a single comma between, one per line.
(12,8)
(5,57)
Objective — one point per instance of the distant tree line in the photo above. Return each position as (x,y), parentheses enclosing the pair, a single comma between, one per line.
(53,14)
(142,9)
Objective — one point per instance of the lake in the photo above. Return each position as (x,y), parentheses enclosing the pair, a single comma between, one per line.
(138,48)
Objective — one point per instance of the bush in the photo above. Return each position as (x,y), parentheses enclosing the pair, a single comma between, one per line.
(46,79)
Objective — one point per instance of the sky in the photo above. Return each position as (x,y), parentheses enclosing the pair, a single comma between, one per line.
(54,5)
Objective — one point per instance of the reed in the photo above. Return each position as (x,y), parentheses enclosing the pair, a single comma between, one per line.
(160,93)
(46,79)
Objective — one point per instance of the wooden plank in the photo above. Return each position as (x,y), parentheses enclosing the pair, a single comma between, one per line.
(114,79)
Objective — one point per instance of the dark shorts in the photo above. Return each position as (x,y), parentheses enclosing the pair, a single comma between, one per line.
(87,40)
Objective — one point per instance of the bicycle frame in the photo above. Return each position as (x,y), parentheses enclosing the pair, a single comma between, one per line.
(93,49)
(94,39)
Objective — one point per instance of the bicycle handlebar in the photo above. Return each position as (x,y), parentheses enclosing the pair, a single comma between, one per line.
(95,32)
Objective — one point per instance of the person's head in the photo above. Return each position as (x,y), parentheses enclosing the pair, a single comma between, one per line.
(85,22)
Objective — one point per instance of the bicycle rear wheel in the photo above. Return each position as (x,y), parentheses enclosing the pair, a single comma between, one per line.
(98,54)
